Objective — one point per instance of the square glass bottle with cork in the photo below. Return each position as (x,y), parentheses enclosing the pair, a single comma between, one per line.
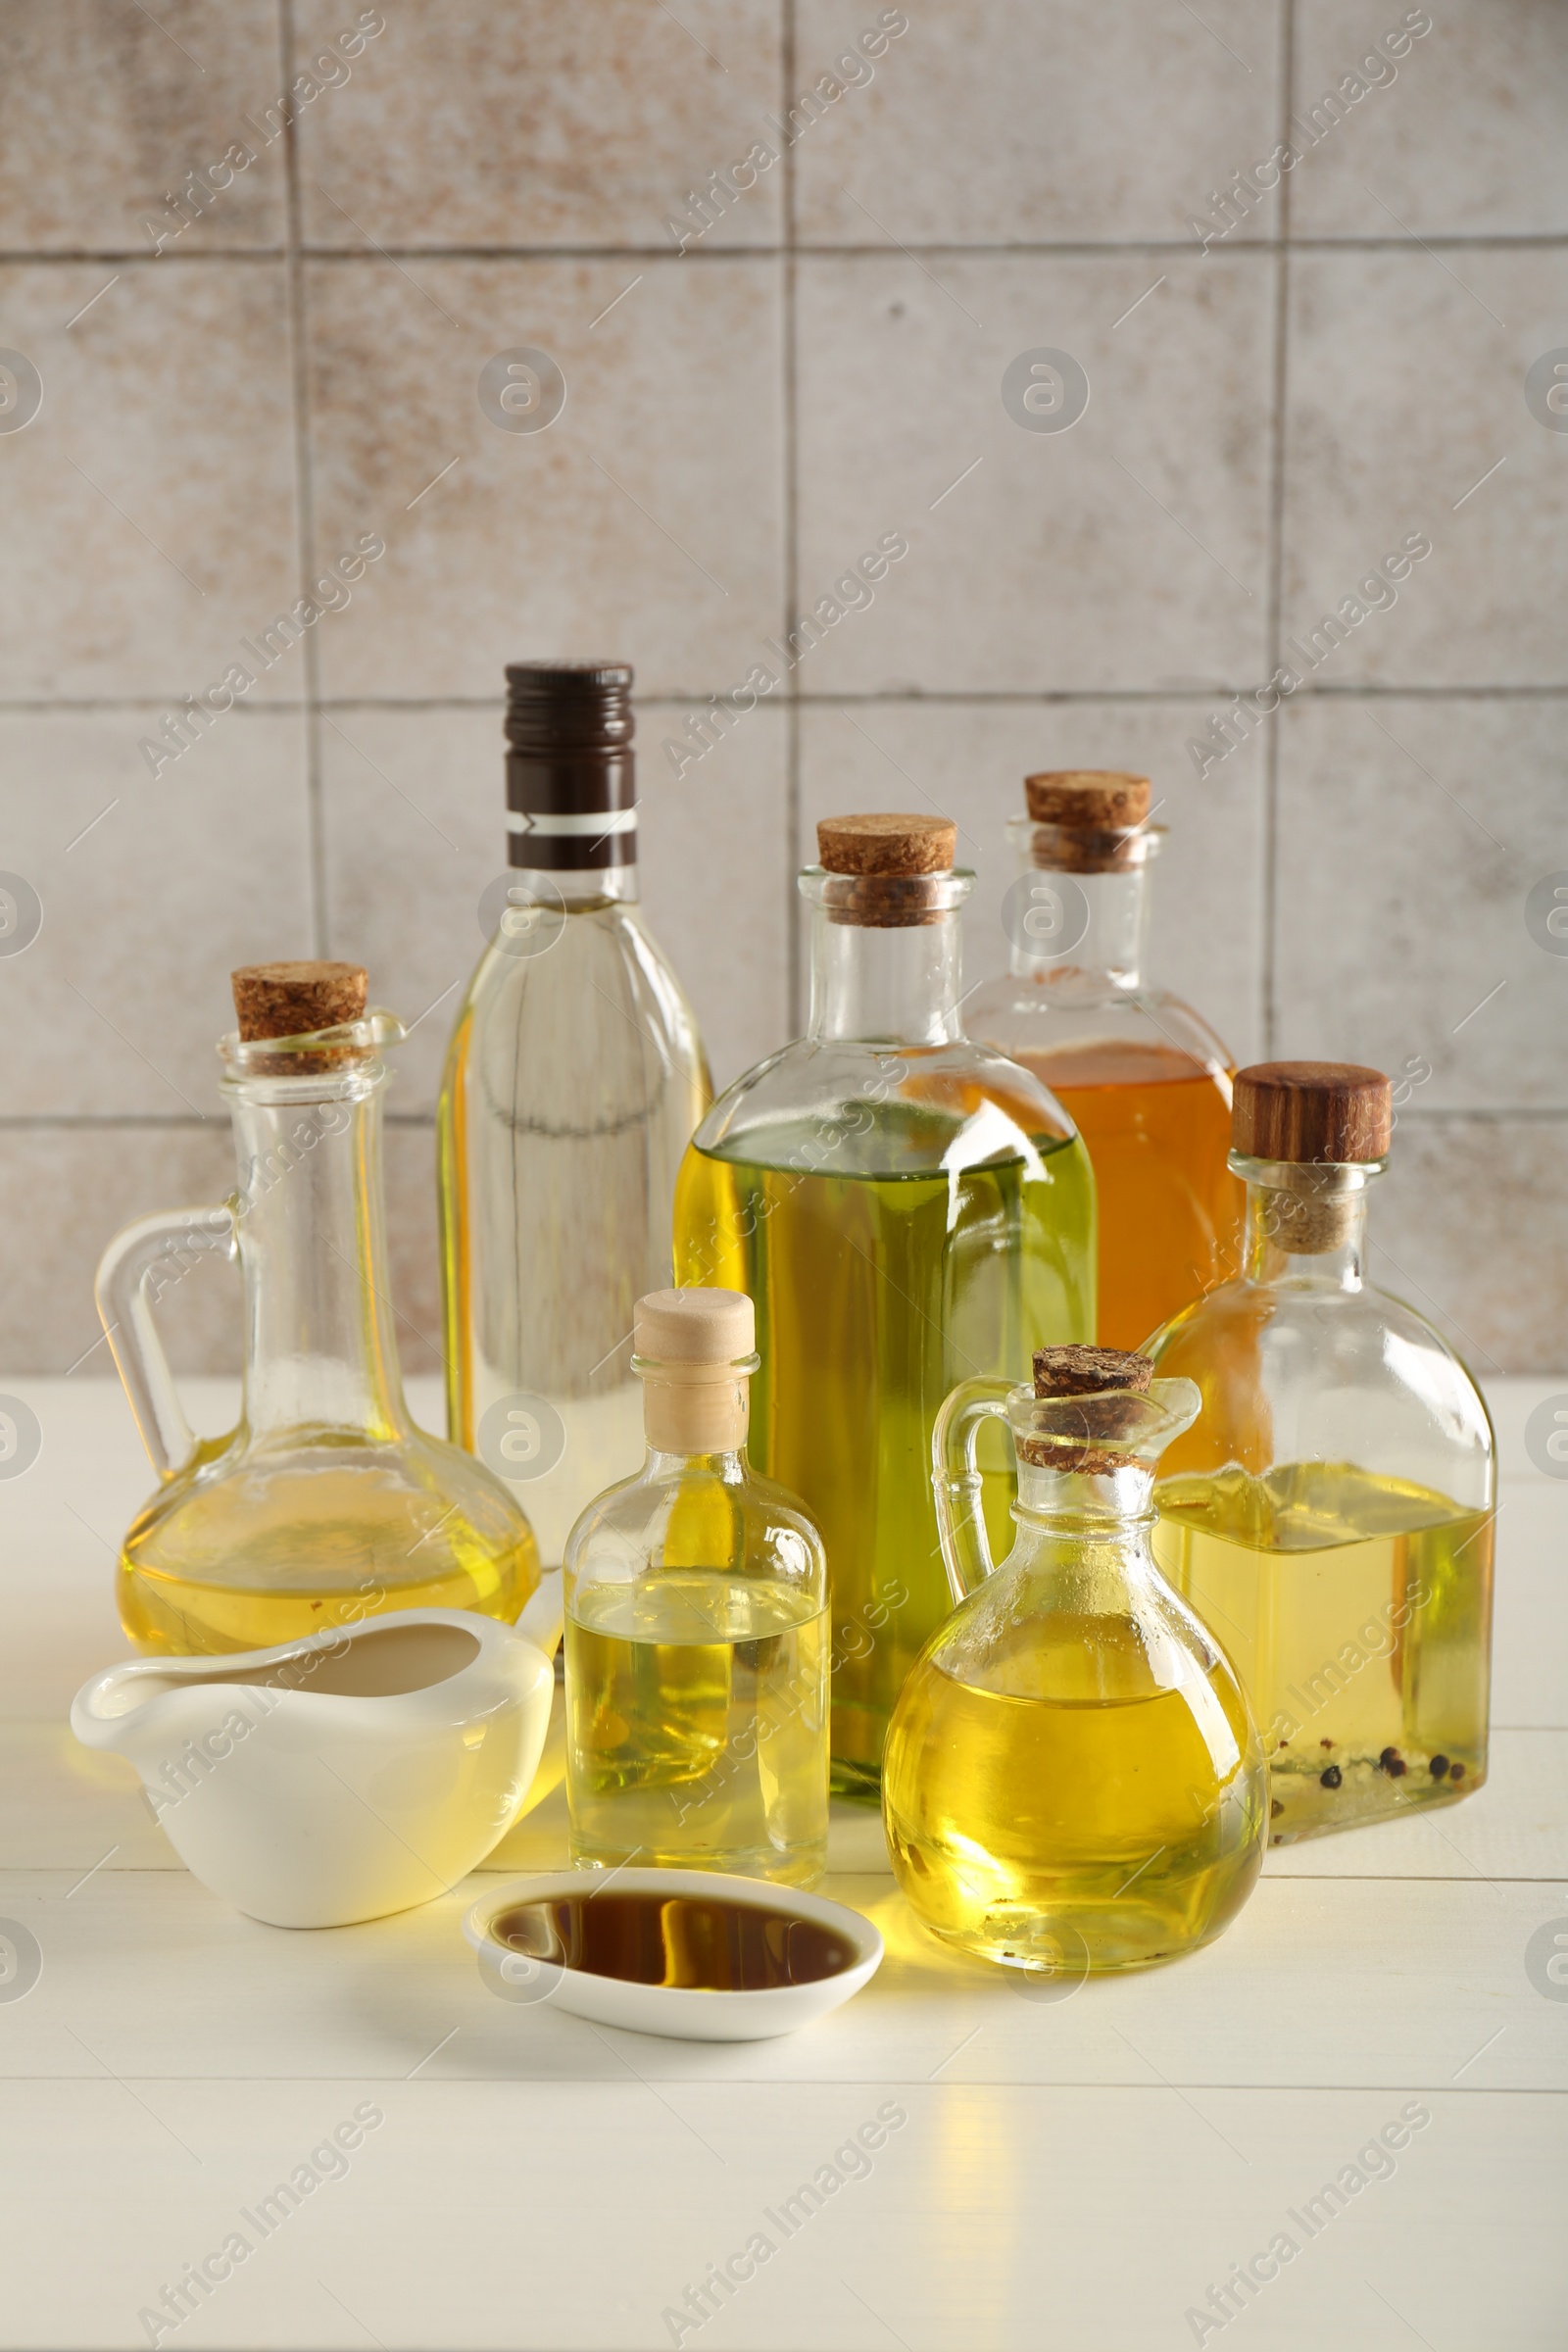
(1329,1513)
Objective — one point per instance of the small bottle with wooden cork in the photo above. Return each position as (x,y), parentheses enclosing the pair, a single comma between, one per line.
(1073,1782)
(696,1642)
(1329,1513)
(906,1207)
(1144,1078)
(324,1504)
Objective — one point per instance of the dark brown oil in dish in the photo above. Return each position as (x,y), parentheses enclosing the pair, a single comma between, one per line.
(698,1942)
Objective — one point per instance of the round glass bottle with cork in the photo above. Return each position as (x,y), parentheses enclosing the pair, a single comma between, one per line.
(906,1208)
(1073,1782)
(324,1504)
(696,1628)
(1146,1080)
(1329,1513)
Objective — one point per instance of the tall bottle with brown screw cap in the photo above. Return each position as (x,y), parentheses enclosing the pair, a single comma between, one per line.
(574,1078)
(907,1209)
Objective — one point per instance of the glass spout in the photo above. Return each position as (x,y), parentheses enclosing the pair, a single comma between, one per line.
(1074,1451)
(1081,1460)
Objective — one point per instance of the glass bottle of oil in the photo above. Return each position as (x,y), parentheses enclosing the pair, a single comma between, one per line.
(325,1503)
(905,1208)
(695,1635)
(1073,1782)
(1330,1516)
(1147,1082)
(573,1080)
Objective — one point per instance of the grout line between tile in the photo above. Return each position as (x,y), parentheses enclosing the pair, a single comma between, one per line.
(1044,248)
(299,330)
(956,694)
(1269,898)
(1004,697)
(791,582)
(1537,1114)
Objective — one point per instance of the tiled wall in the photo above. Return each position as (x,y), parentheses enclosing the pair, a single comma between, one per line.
(1268,419)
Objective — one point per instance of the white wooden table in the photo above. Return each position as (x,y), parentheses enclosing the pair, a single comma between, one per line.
(1073,2174)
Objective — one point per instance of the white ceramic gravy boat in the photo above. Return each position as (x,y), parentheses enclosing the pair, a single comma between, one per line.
(342,1777)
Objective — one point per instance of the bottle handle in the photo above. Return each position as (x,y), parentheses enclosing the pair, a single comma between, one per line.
(959,1483)
(126,1288)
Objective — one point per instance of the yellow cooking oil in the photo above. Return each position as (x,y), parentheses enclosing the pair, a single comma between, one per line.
(695,1731)
(301,1553)
(876,1293)
(1072,1809)
(1357,1610)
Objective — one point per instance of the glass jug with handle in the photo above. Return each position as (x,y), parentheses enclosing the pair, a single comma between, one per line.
(324,1503)
(1072,1780)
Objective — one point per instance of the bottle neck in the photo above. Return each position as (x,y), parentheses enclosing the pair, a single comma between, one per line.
(575,890)
(1085,1540)
(321,1343)
(1305,1224)
(728,1466)
(893,985)
(1077,918)
(1107,951)
(1075,1503)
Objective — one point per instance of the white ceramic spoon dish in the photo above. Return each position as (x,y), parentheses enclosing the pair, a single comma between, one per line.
(697,1955)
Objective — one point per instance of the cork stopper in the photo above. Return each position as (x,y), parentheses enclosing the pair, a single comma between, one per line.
(887,845)
(291,999)
(1089,1371)
(1102,798)
(886,873)
(1099,1393)
(688,1344)
(1313,1113)
(695,1327)
(1086,821)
